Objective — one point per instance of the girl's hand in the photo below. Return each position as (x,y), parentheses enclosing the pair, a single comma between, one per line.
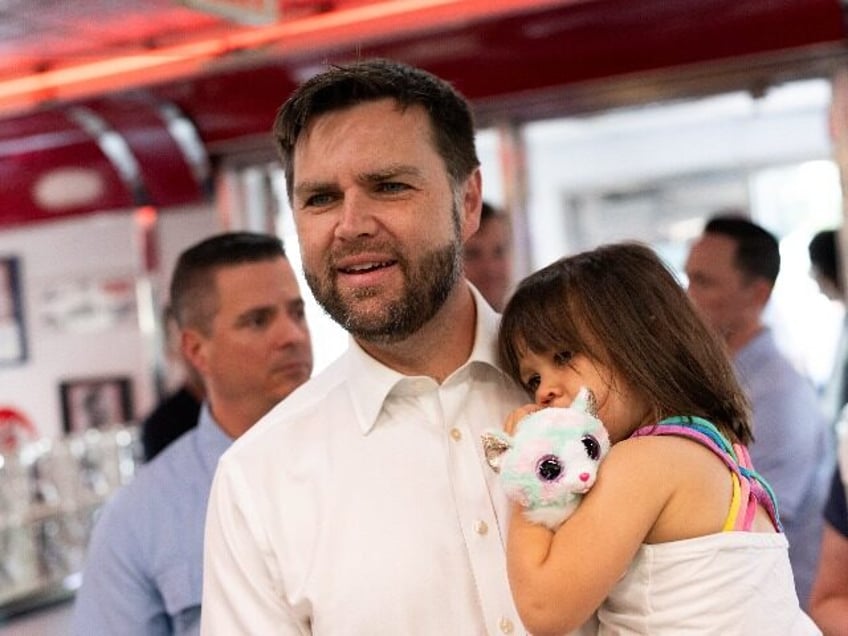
(511,424)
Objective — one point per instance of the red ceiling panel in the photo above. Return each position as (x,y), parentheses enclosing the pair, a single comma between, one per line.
(232,104)
(35,149)
(508,61)
(166,174)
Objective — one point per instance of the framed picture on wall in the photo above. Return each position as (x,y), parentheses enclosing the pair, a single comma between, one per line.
(95,403)
(13,342)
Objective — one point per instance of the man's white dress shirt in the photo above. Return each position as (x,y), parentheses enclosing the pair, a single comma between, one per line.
(363,504)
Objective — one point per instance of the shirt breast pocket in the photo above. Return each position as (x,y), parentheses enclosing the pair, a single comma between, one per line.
(181,588)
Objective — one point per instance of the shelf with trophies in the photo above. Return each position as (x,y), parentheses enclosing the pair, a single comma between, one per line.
(50,494)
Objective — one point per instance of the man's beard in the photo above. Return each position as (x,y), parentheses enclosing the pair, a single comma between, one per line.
(427,284)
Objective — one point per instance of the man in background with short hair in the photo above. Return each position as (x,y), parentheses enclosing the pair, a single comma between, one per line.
(243,329)
(732,269)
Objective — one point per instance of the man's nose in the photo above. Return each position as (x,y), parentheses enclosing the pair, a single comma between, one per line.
(356,217)
(291,330)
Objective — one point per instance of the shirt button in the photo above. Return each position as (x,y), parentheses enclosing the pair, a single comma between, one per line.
(481,527)
(506,625)
(456,434)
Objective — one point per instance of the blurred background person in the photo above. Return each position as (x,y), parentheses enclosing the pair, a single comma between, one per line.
(178,412)
(236,299)
(825,263)
(829,598)
(732,269)
(488,256)
(825,269)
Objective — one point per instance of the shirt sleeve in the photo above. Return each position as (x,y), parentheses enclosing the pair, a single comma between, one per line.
(117,596)
(240,594)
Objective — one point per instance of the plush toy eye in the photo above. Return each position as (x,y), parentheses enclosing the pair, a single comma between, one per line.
(592,446)
(549,468)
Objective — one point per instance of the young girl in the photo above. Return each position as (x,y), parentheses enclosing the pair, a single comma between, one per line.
(679,534)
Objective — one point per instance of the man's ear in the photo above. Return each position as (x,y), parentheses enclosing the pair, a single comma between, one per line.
(760,291)
(193,349)
(471,204)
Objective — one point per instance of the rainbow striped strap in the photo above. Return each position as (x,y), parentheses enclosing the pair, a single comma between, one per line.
(749,487)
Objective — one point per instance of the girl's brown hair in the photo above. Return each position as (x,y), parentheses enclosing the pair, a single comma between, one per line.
(620,305)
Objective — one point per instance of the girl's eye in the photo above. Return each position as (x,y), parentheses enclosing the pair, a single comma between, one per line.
(532,383)
(563,357)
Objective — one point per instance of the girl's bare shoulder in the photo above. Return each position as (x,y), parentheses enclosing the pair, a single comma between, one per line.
(659,462)
(675,471)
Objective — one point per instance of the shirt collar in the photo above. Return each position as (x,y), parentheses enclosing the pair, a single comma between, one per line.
(211,438)
(371,382)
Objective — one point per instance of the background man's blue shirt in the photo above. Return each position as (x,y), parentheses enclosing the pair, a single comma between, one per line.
(144,568)
(793,448)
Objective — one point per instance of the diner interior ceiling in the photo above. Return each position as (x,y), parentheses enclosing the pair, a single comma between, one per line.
(112,104)
(44,33)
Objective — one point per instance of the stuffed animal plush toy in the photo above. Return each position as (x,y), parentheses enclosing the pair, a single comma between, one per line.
(552,460)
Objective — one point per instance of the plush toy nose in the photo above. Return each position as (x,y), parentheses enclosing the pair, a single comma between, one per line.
(584,476)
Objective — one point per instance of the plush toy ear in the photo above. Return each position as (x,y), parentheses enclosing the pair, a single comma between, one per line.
(585,401)
(495,444)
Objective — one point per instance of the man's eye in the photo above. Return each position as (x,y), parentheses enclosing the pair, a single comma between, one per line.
(257,320)
(392,187)
(472,253)
(318,200)
(563,357)
(533,383)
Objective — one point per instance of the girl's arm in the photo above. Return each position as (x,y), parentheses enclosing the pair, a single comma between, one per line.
(559,579)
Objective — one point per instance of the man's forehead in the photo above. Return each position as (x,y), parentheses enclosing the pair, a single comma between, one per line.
(386,105)
(396,148)
(717,247)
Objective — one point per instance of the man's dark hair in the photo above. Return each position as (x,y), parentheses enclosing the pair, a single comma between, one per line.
(193,295)
(757,250)
(340,87)
(823,256)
